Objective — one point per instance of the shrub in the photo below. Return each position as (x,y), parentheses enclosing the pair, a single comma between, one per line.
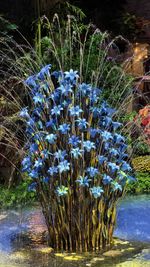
(141,164)
(76,158)
(142,185)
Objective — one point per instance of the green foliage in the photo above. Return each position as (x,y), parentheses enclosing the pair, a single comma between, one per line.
(16,196)
(6,26)
(142,185)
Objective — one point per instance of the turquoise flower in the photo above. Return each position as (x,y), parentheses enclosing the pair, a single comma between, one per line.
(76,152)
(88,145)
(63,166)
(96,191)
(71,75)
(83,181)
(60,155)
(62,191)
(51,138)
(56,110)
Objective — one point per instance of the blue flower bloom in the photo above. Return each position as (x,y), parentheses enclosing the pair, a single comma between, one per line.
(71,75)
(44,72)
(24,113)
(38,164)
(85,89)
(76,152)
(60,155)
(63,166)
(106,179)
(45,154)
(101,159)
(64,128)
(93,132)
(116,125)
(113,167)
(106,121)
(65,89)
(51,138)
(113,152)
(46,179)
(56,110)
(62,191)
(26,163)
(34,174)
(55,96)
(75,111)
(88,145)
(52,170)
(125,166)
(107,135)
(38,98)
(33,148)
(74,140)
(116,186)
(83,181)
(32,187)
(31,81)
(118,138)
(96,191)
(92,171)
(51,123)
(82,123)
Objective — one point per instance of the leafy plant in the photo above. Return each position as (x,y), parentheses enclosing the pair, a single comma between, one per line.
(142,185)
(76,158)
(141,164)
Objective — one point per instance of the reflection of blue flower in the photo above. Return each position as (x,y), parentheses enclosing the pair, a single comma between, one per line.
(64,166)
(71,75)
(62,191)
(97,191)
(75,111)
(83,181)
(101,159)
(74,140)
(106,179)
(82,123)
(88,145)
(24,113)
(76,152)
(60,155)
(56,110)
(51,138)
(52,170)
(92,171)
(64,128)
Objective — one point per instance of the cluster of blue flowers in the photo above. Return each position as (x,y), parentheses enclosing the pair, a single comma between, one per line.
(73,140)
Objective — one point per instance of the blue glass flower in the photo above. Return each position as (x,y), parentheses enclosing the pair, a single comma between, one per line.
(82,124)
(93,132)
(45,154)
(38,164)
(83,181)
(51,123)
(33,148)
(26,163)
(52,170)
(31,81)
(125,166)
(76,152)
(63,166)
(106,179)
(60,155)
(56,110)
(62,191)
(38,98)
(113,167)
(64,128)
(106,135)
(85,89)
(113,152)
(24,113)
(102,159)
(71,75)
(116,186)
(34,174)
(74,141)
(118,138)
(51,138)
(44,72)
(75,111)
(96,191)
(88,145)
(92,171)
(65,89)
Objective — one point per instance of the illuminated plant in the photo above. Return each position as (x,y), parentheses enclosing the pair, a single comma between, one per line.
(76,159)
